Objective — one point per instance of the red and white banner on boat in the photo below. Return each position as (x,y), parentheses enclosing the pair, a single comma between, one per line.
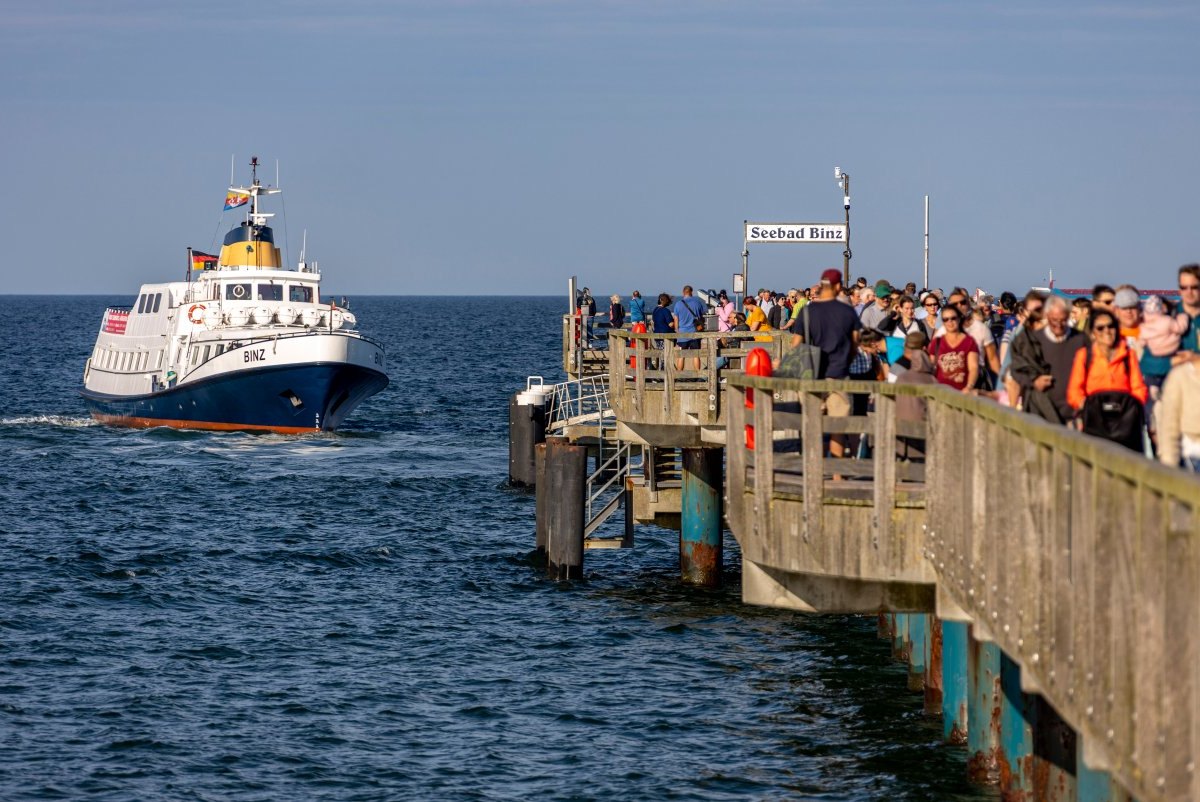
(115,321)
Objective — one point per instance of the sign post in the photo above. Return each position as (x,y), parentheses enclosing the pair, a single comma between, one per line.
(793,234)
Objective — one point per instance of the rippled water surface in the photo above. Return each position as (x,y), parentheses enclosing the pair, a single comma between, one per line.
(189,615)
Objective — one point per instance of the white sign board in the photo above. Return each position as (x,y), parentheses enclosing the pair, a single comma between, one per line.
(739,283)
(796,233)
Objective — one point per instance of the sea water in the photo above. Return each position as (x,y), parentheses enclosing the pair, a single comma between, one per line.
(196,615)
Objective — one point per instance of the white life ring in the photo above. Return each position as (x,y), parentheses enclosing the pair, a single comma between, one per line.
(196,319)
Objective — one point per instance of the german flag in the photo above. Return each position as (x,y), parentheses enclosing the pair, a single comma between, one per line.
(203,261)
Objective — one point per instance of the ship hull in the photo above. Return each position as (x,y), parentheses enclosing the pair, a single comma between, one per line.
(286,399)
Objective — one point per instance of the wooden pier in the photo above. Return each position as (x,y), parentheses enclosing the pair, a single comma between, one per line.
(1044,586)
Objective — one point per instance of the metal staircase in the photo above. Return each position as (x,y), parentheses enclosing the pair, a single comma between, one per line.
(580,410)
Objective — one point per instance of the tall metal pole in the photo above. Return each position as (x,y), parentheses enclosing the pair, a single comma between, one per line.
(745,273)
(925,285)
(844,181)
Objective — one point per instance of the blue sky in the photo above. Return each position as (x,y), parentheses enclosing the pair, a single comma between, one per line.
(460,147)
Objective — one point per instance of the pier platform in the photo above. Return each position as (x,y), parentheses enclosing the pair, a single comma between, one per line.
(1042,586)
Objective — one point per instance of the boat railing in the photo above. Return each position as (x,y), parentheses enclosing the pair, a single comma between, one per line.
(241,342)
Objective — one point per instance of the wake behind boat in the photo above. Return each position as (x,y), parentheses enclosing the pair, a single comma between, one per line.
(243,344)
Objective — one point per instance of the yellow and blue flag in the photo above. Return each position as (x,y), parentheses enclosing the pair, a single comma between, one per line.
(235,199)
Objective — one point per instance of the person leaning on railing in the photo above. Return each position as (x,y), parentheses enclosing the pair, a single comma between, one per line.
(756,319)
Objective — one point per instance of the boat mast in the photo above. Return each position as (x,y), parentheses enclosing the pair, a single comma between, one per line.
(253,190)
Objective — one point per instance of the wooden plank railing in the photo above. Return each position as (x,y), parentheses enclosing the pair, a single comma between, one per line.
(648,386)
(1079,558)
(856,518)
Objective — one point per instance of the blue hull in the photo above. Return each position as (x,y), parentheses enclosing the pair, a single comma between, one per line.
(289,399)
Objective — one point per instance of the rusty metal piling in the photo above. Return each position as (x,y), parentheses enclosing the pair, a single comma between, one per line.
(983,710)
(700,558)
(954,682)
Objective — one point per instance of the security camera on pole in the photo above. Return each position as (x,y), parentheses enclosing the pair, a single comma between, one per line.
(843,180)
(797,234)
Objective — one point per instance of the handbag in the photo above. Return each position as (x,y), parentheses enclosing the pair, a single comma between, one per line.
(803,361)
(1114,415)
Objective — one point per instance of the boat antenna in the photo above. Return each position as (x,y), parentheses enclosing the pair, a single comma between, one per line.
(287,248)
(253,215)
(231,158)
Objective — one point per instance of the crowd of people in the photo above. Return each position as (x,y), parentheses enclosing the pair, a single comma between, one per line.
(1121,364)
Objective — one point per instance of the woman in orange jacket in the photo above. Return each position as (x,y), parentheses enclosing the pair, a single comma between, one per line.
(1114,367)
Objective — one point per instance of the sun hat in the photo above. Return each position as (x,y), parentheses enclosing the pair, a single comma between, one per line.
(1125,299)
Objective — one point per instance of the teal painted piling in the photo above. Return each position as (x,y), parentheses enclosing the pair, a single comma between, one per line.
(900,643)
(700,557)
(983,711)
(954,682)
(933,668)
(918,652)
(1017,715)
(1092,785)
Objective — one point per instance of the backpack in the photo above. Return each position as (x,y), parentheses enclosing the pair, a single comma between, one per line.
(802,361)
(1114,415)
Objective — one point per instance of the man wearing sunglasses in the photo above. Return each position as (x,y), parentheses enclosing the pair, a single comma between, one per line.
(1189,296)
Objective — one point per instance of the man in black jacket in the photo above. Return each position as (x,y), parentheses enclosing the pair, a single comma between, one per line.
(1042,356)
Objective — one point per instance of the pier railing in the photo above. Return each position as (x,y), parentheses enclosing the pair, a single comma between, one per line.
(1080,559)
(655,383)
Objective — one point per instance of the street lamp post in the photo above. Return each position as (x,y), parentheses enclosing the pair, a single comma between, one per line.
(843,180)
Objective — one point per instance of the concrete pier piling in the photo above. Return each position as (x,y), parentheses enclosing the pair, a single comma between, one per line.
(563,488)
(700,557)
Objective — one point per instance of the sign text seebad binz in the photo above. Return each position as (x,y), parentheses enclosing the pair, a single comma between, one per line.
(828,233)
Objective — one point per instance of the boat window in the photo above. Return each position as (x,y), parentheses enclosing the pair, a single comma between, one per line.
(270,292)
(157,301)
(298,293)
(158,360)
(237,292)
(141,303)
(220,350)
(207,349)
(195,354)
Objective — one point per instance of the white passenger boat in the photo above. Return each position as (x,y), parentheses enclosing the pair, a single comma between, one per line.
(243,344)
